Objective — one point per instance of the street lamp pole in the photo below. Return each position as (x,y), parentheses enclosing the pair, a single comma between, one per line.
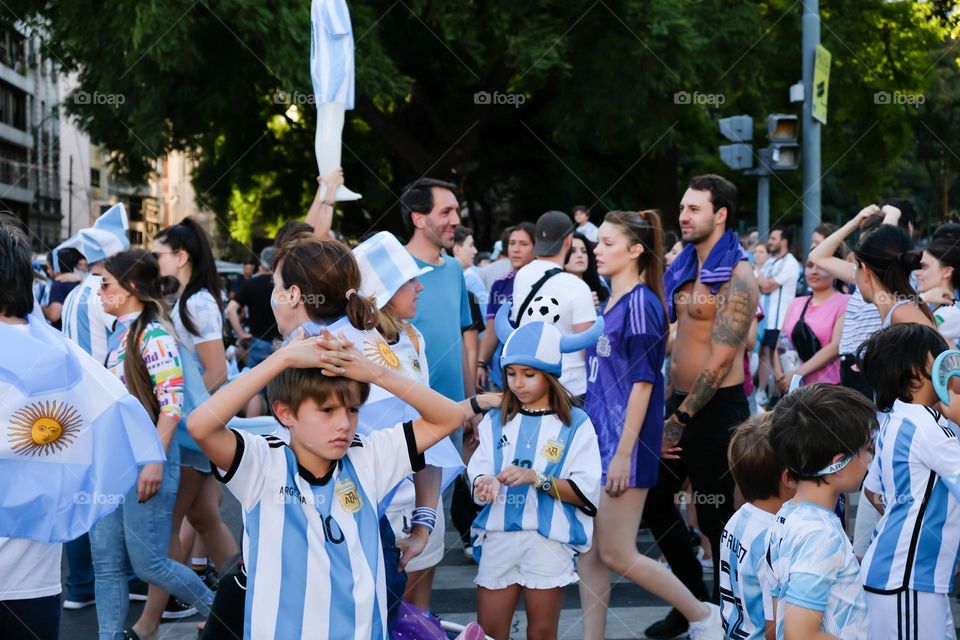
(810,151)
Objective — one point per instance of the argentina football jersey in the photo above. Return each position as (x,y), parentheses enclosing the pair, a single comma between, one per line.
(745,602)
(541,442)
(315,566)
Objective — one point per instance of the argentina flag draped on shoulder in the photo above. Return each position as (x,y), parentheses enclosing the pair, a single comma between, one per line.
(71,436)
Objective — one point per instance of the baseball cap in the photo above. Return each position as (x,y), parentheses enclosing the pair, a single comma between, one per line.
(552,228)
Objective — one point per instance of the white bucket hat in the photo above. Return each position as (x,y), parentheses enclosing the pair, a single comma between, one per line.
(385,266)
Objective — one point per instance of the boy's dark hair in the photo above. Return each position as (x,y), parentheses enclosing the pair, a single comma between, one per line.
(723,193)
(16,272)
(417,197)
(577,208)
(461,233)
(754,464)
(895,360)
(811,425)
(786,233)
(907,213)
(293,387)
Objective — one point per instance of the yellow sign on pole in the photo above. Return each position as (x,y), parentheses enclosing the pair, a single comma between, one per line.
(821,83)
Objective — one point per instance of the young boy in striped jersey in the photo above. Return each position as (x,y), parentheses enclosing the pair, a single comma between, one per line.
(909,568)
(315,567)
(821,433)
(745,601)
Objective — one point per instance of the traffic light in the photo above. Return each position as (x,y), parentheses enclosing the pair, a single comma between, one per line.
(782,131)
(739,130)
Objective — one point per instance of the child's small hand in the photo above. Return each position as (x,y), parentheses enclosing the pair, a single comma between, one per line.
(412,546)
(302,352)
(485,489)
(341,358)
(513,476)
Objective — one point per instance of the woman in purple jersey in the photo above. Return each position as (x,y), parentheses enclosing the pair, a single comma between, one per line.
(625,401)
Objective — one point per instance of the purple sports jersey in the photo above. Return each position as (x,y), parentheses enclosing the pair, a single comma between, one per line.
(631,349)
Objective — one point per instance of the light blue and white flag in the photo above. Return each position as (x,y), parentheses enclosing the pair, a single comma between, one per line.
(107,237)
(331,52)
(71,436)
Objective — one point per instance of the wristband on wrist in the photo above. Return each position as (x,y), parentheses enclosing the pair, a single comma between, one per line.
(475,405)
(424,517)
(483,365)
(329,203)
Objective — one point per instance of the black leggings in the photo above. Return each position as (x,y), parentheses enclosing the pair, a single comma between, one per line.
(30,619)
(704,461)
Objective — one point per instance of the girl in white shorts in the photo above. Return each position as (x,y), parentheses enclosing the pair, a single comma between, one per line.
(537,470)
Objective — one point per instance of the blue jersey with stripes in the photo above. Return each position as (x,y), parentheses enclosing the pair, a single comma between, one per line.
(542,442)
(314,561)
(84,320)
(812,566)
(745,602)
(915,470)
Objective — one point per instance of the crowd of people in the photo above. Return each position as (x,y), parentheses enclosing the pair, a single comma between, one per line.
(553,396)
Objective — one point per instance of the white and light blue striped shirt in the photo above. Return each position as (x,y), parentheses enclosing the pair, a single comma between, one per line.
(541,442)
(84,320)
(312,547)
(745,602)
(915,470)
(812,566)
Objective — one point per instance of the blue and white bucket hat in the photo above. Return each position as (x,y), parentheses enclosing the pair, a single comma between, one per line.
(107,237)
(385,266)
(540,345)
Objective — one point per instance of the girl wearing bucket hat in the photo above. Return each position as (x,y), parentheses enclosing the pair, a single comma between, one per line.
(625,399)
(389,277)
(537,470)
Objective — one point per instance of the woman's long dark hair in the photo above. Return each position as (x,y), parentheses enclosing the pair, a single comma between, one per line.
(189,236)
(137,271)
(590,276)
(887,251)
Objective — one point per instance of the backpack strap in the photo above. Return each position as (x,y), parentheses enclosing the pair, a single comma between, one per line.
(534,289)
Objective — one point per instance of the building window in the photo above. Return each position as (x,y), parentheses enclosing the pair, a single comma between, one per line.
(12,49)
(13,106)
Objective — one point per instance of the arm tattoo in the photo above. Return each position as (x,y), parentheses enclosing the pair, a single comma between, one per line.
(736,307)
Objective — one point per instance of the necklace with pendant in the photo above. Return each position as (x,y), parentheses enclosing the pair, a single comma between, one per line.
(536,412)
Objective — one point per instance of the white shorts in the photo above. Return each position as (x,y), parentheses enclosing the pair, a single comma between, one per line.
(400,512)
(525,558)
(910,615)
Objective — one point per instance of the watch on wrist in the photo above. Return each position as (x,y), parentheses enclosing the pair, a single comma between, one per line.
(682,417)
(544,482)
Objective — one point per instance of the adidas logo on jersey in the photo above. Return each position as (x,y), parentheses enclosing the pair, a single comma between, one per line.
(502,442)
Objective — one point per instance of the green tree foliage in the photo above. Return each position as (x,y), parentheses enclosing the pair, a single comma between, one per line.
(593,114)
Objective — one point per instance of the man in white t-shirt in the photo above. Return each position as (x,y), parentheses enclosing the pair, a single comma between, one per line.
(563,300)
(778,287)
(582,216)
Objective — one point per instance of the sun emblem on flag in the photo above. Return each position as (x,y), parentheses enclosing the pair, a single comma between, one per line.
(43,428)
(381,353)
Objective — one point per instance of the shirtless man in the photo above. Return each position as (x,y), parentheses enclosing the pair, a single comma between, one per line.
(708,399)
